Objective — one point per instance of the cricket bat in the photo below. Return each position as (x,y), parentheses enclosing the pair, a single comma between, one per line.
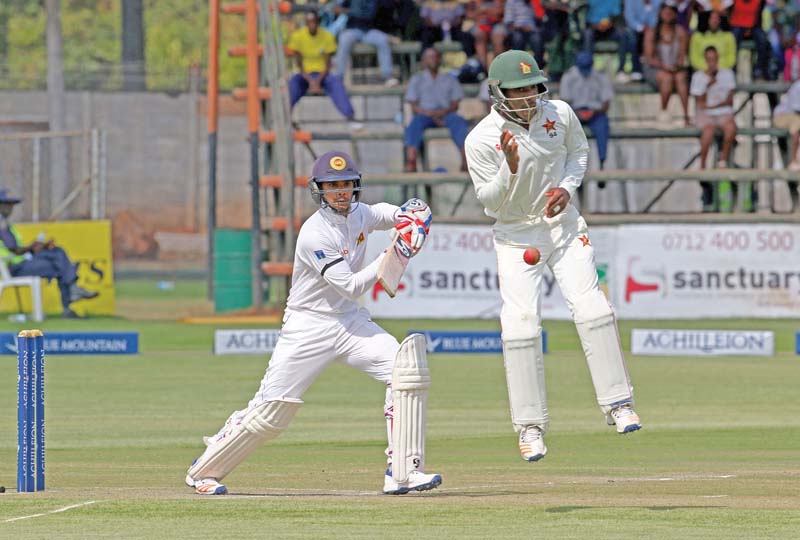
(393,265)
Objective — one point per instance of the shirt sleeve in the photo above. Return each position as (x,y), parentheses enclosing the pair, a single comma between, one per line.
(335,270)
(412,92)
(293,44)
(381,216)
(456,92)
(577,155)
(698,85)
(8,238)
(728,81)
(329,45)
(492,183)
(606,89)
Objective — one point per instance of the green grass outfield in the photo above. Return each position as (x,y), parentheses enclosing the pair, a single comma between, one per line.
(719,457)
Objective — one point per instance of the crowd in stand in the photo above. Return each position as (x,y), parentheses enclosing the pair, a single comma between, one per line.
(686,47)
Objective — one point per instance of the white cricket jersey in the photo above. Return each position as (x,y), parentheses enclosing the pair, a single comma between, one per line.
(329,273)
(553,152)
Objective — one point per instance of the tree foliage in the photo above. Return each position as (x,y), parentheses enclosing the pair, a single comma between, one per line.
(176,34)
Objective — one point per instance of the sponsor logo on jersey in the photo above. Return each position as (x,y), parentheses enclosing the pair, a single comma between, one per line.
(584,240)
(319,254)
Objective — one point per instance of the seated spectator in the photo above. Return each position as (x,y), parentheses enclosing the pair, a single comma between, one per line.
(665,49)
(487,16)
(589,93)
(704,8)
(745,22)
(784,38)
(442,21)
(715,36)
(604,21)
(360,26)
(399,19)
(787,116)
(558,37)
(639,14)
(40,258)
(434,99)
(522,30)
(713,92)
(686,9)
(312,47)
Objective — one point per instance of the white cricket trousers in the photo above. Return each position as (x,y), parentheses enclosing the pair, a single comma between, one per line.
(566,248)
(309,342)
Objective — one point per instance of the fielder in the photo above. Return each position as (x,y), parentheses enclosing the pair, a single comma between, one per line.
(323,323)
(527,158)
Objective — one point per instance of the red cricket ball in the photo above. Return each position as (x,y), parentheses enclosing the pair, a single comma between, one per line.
(531,256)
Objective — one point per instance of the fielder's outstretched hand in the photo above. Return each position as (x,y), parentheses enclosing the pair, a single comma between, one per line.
(559,198)
(510,149)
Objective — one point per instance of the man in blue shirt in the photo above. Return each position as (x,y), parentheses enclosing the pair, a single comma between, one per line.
(434,99)
(40,258)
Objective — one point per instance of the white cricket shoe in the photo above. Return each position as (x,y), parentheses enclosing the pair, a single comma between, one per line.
(206,486)
(624,418)
(417,481)
(531,443)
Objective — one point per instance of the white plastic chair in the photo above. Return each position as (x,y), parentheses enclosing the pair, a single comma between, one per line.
(34,282)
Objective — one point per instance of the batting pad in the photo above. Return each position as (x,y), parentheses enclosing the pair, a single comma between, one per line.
(259,425)
(524,361)
(603,352)
(410,381)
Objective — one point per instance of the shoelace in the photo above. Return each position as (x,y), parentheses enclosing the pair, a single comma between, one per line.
(622,412)
(530,435)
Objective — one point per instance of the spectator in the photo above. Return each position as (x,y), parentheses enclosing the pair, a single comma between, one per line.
(487,16)
(40,258)
(442,21)
(704,8)
(713,92)
(399,19)
(665,50)
(784,39)
(434,99)
(715,36)
(639,14)
(558,37)
(787,116)
(589,93)
(745,22)
(360,26)
(604,22)
(686,9)
(522,29)
(312,47)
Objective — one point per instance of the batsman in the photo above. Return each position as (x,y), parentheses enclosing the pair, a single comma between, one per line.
(323,323)
(526,159)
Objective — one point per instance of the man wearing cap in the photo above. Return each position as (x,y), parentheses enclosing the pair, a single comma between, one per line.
(40,258)
(323,323)
(589,93)
(527,158)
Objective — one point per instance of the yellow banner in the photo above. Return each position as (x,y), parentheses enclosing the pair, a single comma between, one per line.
(87,244)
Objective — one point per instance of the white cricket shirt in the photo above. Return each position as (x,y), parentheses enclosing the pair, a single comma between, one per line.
(553,152)
(329,273)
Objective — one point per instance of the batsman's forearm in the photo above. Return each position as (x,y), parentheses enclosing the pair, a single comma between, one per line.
(351,284)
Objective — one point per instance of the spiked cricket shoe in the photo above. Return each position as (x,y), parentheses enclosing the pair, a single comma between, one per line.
(624,418)
(531,443)
(417,481)
(206,486)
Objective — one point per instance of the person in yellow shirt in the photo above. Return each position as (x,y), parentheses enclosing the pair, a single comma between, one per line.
(312,47)
(722,40)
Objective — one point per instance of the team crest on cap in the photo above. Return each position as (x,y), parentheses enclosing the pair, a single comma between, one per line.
(338,163)
(525,68)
